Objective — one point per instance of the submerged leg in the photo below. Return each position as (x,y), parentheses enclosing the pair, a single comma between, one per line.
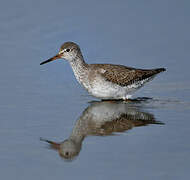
(127,97)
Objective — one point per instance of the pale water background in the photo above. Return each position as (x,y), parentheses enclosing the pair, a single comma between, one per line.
(45,101)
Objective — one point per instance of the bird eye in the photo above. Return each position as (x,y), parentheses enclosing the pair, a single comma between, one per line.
(67,50)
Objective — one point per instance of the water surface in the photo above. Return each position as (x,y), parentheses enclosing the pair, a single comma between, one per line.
(135,140)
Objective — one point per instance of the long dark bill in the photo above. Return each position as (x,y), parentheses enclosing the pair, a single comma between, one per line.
(51,59)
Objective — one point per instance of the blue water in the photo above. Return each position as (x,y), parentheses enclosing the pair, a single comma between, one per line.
(46,101)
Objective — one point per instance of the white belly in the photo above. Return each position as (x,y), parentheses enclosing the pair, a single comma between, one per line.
(108,90)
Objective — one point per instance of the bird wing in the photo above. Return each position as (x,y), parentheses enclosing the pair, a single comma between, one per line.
(123,75)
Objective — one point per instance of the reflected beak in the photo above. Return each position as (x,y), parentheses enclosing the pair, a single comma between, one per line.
(52,144)
(58,56)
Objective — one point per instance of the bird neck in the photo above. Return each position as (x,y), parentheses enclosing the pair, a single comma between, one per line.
(77,135)
(78,62)
(80,69)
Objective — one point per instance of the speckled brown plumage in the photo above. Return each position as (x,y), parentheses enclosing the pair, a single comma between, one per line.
(128,121)
(123,75)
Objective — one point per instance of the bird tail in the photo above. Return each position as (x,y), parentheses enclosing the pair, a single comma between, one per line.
(158,70)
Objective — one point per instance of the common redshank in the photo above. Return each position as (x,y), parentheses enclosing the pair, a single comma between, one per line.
(104,81)
(102,119)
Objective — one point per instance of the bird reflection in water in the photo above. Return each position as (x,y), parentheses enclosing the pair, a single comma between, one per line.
(102,119)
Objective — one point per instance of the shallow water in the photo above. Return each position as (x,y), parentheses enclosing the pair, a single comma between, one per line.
(146,139)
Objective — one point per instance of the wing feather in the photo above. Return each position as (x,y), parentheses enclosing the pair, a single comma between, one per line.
(123,75)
